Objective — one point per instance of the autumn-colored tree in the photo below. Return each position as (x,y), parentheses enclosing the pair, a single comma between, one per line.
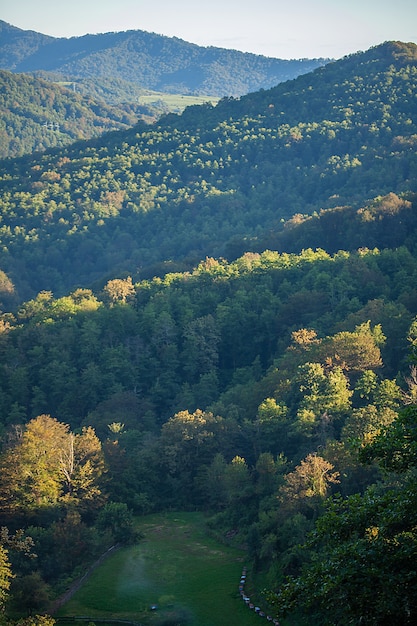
(354,352)
(310,480)
(45,464)
(119,289)
(5,577)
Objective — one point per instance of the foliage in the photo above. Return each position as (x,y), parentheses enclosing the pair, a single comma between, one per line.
(37,115)
(224,180)
(45,465)
(253,385)
(363,550)
(5,576)
(117,517)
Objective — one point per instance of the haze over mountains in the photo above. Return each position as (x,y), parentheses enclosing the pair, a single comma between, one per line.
(156,62)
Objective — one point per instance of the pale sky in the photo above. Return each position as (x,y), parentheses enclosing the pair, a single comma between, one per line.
(286,29)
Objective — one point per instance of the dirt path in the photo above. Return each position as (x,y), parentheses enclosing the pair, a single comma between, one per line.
(78,583)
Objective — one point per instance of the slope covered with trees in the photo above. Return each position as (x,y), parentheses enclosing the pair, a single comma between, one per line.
(219,181)
(286,377)
(36,115)
(153,61)
(262,377)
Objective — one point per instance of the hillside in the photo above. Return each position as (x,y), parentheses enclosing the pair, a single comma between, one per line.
(215,181)
(39,113)
(36,115)
(152,61)
(173,338)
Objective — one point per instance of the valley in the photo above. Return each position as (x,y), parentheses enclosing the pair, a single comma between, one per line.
(208,340)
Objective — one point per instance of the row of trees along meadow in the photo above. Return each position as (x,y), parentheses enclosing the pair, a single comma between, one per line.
(264,376)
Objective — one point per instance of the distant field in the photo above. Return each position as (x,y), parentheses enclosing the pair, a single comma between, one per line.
(191,578)
(175,102)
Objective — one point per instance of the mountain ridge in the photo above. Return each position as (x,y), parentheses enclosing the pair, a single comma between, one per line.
(157,62)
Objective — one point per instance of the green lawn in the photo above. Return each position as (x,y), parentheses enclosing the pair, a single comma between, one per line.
(175,102)
(193,579)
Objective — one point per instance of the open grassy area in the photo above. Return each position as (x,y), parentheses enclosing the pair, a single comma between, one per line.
(190,577)
(175,102)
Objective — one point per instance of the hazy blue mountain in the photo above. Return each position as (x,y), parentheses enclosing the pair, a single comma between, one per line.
(156,62)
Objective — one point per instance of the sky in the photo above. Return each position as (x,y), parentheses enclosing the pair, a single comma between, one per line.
(285,29)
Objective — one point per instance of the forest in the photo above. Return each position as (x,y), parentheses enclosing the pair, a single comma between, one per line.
(37,114)
(218,312)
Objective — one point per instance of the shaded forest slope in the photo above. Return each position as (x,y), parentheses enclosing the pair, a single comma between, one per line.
(36,114)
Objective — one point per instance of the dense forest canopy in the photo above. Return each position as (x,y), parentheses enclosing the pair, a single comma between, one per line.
(225,298)
(218,181)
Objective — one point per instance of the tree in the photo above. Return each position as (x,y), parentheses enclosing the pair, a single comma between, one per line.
(237,478)
(31,476)
(395,448)
(214,474)
(82,465)
(116,517)
(310,480)
(362,553)
(36,620)
(188,442)
(119,290)
(46,465)
(363,424)
(271,425)
(5,577)
(187,437)
(360,567)
(354,352)
(200,353)
(324,396)
(30,593)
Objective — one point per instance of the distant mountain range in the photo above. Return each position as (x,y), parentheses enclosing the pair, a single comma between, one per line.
(156,62)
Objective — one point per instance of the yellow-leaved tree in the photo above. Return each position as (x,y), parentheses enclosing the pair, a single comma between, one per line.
(44,465)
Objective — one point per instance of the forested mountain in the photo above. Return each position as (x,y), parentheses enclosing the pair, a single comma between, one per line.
(219,312)
(156,62)
(219,181)
(36,115)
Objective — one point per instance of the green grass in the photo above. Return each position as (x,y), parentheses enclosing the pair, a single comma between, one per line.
(193,579)
(175,102)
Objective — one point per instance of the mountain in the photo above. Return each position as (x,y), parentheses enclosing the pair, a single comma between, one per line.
(273,390)
(165,64)
(219,180)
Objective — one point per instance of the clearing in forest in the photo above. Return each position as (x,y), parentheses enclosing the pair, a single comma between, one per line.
(191,578)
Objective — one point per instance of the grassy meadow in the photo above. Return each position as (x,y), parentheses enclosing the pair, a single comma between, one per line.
(174,102)
(191,578)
